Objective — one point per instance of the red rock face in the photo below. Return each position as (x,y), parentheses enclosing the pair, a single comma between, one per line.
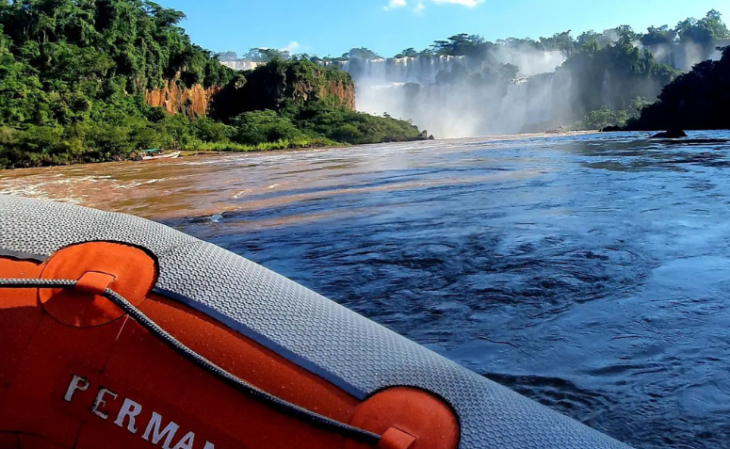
(345,93)
(193,102)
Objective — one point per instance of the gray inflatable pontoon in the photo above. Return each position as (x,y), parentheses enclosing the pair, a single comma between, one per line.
(351,352)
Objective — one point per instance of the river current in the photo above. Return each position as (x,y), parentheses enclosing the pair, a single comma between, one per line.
(589,272)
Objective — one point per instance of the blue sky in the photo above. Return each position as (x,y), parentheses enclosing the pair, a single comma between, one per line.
(332,27)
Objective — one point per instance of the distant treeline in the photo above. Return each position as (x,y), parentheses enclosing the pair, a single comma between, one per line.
(703,32)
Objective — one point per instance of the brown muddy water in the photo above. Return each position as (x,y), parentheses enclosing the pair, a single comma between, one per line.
(588,272)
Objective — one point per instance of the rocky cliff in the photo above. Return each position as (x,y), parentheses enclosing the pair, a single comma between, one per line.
(264,88)
(337,93)
(284,86)
(176,98)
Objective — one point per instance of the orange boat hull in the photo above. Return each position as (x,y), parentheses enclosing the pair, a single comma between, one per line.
(206,350)
(73,378)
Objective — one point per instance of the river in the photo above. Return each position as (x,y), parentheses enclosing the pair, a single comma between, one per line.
(588,272)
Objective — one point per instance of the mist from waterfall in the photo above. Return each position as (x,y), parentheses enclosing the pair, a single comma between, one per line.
(469,103)
(682,57)
(458,96)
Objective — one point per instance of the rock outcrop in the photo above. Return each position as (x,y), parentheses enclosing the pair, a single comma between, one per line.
(289,85)
(176,98)
(672,133)
(342,92)
(612,129)
(695,100)
(267,87)
(335,92)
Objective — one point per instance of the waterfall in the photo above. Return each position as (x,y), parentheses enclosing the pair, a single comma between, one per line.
(606,90)
(421,70)
(421,89)
(535,104)
(683,56)
(241,64)
(438,94)
(719,45)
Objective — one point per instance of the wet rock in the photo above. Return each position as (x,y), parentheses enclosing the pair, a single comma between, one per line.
(611,129)
(672,133)
(431,137)
(423,135)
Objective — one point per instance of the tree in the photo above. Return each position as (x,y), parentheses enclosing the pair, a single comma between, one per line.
(659,36)
(713,21)
(697,32)
(600,119)
(263,126)
(408,53)
(459,45)
(626,34)
(559,42)
(589,39)
(703,32)
(361,53)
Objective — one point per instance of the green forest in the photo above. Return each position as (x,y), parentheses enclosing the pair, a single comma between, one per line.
(73,75)
(615,73)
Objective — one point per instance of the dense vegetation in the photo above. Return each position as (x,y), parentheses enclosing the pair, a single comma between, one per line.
(618,78)
(702,33)
(73,74)
(699,99)
(612,74)
(601,82)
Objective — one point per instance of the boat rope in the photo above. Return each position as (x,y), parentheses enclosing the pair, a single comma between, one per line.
(293,410)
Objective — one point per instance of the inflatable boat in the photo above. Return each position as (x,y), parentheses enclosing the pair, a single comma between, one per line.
(120,333)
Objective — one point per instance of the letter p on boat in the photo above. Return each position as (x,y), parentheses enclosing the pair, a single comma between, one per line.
(77,383)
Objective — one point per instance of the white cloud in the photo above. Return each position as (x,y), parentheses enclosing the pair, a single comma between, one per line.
(292,47)
(421,5)
(394,4)
(467,3)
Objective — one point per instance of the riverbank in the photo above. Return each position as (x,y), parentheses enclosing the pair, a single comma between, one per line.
(324,143)
(173,188)
(284,144)
(207,149)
